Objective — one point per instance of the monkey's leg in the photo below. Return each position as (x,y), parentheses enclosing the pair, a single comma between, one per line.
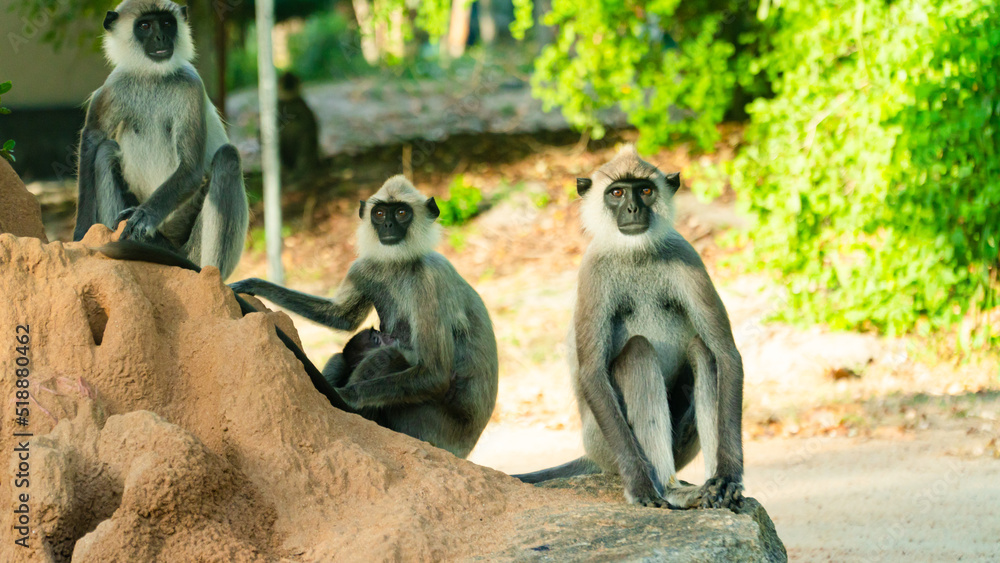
(686,446)
(113,195)
(336,371)
(638,378)
(220,232)
(86,201)
(719,491)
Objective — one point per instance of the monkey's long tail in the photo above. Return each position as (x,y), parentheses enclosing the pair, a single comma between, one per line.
(580,466)
(141,252)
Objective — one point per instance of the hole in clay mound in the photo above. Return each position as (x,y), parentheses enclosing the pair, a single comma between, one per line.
(97,316)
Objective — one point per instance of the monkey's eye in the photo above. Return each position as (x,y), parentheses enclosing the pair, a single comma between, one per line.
(617,192)
(401,214)
(167,23)
(647,191)
(144,26)
(380,213)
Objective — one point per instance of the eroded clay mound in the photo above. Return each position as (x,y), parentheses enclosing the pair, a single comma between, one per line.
(318,483)
(167,427)
(19,211)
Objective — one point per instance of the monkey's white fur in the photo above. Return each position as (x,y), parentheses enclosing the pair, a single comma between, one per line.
(421,237)
(124,52)
(598,220)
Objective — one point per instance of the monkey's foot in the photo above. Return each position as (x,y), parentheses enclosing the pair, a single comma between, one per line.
(722,492)
(685,496)
(646,495)
(651,502)
(141,224)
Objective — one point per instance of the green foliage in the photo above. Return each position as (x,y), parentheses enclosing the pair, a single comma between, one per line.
(7,148)
(670,65)
(874,172)
(241,63)
(524,18)
(707,180)
(327,48)
(462,203)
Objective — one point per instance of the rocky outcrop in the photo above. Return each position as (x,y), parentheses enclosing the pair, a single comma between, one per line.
(165,426)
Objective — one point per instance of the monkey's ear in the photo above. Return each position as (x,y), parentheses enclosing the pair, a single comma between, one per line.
(361,210)
(184,12)
(432,208)
(110,19)
(673,181)
(583,185)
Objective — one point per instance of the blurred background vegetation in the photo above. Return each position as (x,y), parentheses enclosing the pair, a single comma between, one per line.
(869,154)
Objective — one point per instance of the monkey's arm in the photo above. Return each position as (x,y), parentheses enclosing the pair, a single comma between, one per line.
(345,311)
(189,175)
(394,375)
(693,289)
(593,325)
(90,138)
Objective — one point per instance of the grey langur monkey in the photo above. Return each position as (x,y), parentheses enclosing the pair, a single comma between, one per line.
(437,380)
(654,363)
(153,150)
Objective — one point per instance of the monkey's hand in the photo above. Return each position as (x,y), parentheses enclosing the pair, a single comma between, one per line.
(722,492)
(141,226)
(247,286)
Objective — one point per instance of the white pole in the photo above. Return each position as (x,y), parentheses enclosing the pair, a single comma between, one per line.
(268,93)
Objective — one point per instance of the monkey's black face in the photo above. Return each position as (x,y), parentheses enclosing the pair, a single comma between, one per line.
(391,221)
(631,202)
(157,31)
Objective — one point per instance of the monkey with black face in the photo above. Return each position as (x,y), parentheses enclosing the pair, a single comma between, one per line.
(299,135)
(438,381)
(153,150)
(655,367)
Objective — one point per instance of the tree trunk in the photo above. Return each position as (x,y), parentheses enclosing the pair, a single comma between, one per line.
(458,29)
(395,43)
(203,29)
(487,23)
(369,46)
(221,50)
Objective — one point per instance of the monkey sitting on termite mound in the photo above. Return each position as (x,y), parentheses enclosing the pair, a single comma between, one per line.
(438,380)
(153,150)
(654,364)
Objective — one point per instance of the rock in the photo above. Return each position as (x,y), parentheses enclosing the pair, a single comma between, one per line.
(165,426)
(20,213)
(622,532)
